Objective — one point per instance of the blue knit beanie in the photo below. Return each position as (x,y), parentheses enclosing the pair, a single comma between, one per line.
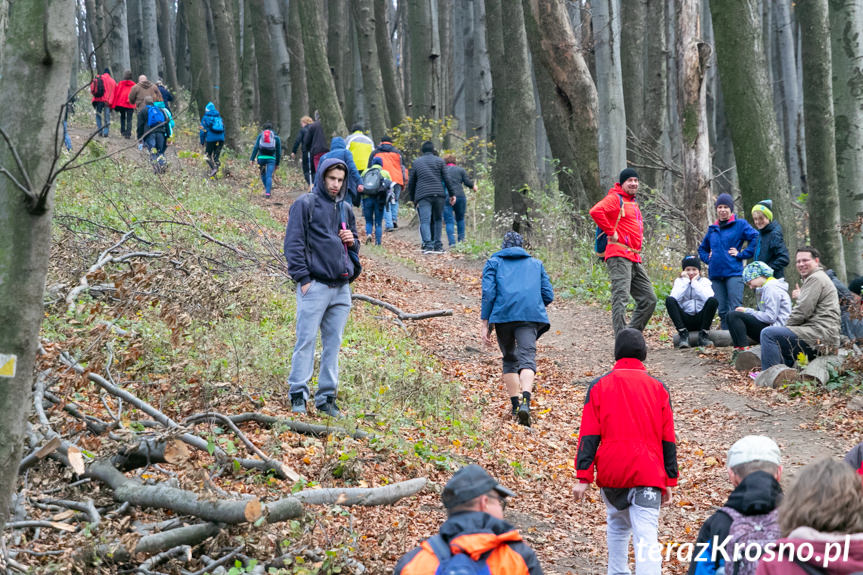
(724,200)
(512,240)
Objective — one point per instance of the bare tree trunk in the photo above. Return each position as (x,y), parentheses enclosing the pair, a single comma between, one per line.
(514,110)
(136,37)
(229,91)
(389,76)
(36,59)
(264,56)
(788,82)
(251,102)
(322,90)
(338,41)
(165,9)
(150,54)
(199,54)
(365,24)
(656,90)
(846,23)
(96,25)
(299,91)
(184,75)
(609,88)
(693,56)
(422,59)
(213,52)
(746,91)
(569,101)
(281,63)
(633,39)
(355,95)
(820,129)
(445,23)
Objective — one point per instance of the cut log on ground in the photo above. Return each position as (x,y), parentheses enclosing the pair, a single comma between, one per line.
(385,495)
(298,426)
(399,313)
(150,451)
(719,337)
(776,376)
(748,360)
(819,368)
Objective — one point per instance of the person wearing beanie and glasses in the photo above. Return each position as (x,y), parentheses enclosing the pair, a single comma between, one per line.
(723,251)
(474,528)
(754,470)
(691,305)
(619,217)
(627,436)
(771,247)
(772,308)
(515,292)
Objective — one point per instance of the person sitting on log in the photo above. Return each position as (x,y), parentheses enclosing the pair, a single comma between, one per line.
(691,305)
(814,322)
(773,306)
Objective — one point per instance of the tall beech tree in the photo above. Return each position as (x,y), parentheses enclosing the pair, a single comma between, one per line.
(365,23)
(299,92)
(322,90)
(229,90)
(389,76)
(820,129)
(37,56)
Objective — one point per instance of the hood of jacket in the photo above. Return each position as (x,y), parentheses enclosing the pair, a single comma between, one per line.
(320,186)
(512,253)
(146,84)
(757,494)
(210,107)
(618,189)
(478,522)
(775,284)
(731,219)
(338,143)
(849,561)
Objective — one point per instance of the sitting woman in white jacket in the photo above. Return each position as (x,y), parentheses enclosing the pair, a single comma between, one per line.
(772,308)
(691,305)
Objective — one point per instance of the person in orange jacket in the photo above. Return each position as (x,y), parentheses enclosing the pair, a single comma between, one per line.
(474,532)
(619,217)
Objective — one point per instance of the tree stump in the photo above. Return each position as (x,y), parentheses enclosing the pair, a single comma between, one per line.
(777,375)
(719,337)
(749,359)
(819,368)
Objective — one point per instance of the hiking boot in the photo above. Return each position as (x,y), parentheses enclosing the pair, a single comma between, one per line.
(395,225)
(703,339)
(329,408)
(524,413)
(298,404)
(515,410)
(684,339)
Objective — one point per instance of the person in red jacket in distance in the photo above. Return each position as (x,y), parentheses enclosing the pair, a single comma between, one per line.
(627,436)
(619,216)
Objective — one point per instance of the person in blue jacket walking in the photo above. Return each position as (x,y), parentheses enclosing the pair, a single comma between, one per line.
(212,135)
(515,293)
(339,150)
(723,251)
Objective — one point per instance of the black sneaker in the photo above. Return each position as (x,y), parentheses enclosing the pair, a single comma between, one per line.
(524,413)
(330,408)
(515,410)
(395,225)
(703,339)
(684,339)
(298,404)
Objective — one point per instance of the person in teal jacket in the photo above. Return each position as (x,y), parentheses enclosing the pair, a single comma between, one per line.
(722,249)
(268,151)
(515,292)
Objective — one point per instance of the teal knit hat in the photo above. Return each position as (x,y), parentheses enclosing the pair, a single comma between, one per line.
(756,270)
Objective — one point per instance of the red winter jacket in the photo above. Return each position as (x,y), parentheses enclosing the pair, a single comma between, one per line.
(627,430)
(121,95)
(630,228)
(107,97)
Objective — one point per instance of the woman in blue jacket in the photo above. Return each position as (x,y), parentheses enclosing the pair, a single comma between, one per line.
(515,292)
(212,134)
(723,252)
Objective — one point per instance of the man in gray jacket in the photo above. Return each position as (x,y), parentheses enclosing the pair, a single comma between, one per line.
(814,322)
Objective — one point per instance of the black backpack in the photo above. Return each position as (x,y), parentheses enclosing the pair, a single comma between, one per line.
(373,181)
(97,87)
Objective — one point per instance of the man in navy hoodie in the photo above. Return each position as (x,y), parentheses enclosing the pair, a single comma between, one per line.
(320,234)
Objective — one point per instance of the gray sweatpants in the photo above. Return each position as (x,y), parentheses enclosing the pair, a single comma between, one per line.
(629,278)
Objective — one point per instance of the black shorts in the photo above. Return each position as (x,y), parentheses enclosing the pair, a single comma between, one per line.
(517,342)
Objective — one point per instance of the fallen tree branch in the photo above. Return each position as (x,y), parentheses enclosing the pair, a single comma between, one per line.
(399,313)
(370,496)
(179,551)
(298,426)
(217,563)
(149,451)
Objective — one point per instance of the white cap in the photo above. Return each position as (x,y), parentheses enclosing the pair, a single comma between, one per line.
(754,448)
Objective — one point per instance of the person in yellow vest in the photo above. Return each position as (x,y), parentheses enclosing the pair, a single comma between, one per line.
(360,146)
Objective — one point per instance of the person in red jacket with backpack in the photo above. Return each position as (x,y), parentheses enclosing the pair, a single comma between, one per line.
(120,103)
(627,437)
(102,89)
(619,218)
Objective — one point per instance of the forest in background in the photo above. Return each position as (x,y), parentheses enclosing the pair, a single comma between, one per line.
(760,98)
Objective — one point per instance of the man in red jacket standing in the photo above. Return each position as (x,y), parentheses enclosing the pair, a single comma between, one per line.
(617,215)
(627,435)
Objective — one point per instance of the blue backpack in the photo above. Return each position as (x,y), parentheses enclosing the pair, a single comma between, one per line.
(155,116)
(458,564)
(217,126)
(600,242)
